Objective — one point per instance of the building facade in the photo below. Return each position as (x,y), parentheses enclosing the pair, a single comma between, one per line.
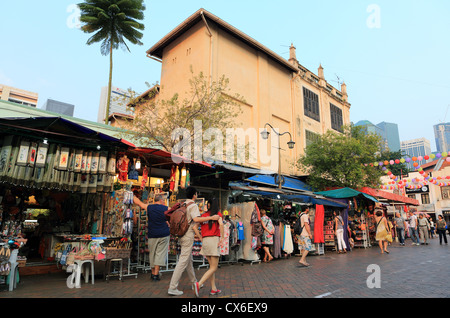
(442,137)
(18,96)
(59,107)
(374,129)
(118,105)
(277,91)
(391,135)
(415,148)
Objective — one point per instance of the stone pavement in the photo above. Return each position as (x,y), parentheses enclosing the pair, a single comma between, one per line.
(407,272)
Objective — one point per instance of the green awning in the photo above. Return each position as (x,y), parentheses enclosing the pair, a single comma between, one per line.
(345,193)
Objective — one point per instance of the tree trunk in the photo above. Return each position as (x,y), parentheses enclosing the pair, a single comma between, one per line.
(108,101)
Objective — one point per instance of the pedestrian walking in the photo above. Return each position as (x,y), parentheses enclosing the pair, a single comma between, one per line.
(413,231)
(440,227)
(305,237)
(432,231)
(187,242)
(158,233)
(400,226)
(424,227)
(267,237)
(339,232)
(383,231)
(212,235)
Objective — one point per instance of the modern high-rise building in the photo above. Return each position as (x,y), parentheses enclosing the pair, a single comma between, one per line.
(391,135)
(59,107)
(442,137)
(118,105)
(17,95)
(415,148)
(374,129)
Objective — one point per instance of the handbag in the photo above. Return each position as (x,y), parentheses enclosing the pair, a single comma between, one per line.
(389,234)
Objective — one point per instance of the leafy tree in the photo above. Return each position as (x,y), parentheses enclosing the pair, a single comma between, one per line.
(113,21)
(342,159)
(210,102)
(396,169)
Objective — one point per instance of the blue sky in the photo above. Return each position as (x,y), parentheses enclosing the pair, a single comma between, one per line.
(393,55)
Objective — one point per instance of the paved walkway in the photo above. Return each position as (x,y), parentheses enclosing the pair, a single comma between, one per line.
(409,271)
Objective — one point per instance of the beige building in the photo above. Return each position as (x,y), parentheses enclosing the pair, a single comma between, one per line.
(18,96)
(277,91)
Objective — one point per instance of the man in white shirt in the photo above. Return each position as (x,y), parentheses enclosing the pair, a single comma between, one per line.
(413,228)
(187,241)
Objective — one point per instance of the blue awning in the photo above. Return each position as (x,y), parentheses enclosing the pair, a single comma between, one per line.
(290,183)
(299,198)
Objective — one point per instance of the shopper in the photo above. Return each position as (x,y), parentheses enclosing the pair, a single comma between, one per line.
(212,235)
(187,242)
(440,226)
(432,231)
(305,238)
(413,230)
(382,231)
(158,233)
(267,237)
(424,227)
(339,232)
(400,226)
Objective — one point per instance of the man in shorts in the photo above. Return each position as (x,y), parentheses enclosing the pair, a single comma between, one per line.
(158,233)
(305,238)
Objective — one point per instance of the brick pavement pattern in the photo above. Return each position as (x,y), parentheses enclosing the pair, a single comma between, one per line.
(407,272)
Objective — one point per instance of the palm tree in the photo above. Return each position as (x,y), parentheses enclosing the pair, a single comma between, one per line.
(113,21)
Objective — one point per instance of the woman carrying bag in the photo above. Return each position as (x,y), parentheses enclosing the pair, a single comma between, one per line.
(383,234)
(267,237)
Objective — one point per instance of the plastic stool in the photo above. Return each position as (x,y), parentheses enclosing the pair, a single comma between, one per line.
(14,268)
(79,267)
(120,260)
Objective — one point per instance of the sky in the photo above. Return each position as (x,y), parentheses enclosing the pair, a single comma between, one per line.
(393,55)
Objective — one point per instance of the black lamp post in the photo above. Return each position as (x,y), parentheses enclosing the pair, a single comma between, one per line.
(290,143)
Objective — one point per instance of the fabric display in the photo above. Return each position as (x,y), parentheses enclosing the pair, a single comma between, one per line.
(39,165)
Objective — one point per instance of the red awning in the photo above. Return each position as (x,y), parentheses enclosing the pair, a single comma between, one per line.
(166,154)
(389,196)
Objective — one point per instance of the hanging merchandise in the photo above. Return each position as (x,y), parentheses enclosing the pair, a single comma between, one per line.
(133,174)
(144,177)
(177,179)
(188,179)
(122,166)
(183,178)
(172,178)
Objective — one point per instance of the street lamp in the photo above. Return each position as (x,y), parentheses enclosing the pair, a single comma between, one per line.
(291,144)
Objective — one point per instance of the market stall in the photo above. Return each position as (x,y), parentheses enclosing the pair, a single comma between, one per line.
(358,216)
(55,177)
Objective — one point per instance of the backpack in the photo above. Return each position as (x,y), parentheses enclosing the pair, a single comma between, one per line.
(298,228)
(178,219)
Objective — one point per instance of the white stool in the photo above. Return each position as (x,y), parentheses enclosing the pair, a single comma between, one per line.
(13,271)
(79,268)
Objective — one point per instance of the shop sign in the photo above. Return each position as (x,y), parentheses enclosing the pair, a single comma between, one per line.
(423,189)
